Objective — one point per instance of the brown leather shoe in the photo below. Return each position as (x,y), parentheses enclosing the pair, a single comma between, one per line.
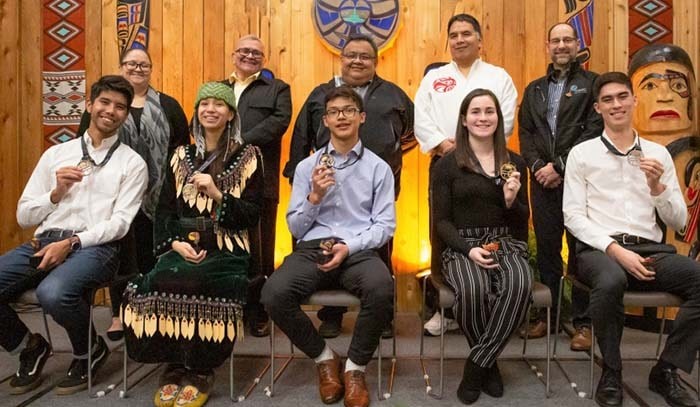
(330,380)
(356,394)
(581,341)
(535,330)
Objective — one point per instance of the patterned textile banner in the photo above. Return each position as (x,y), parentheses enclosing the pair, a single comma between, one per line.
(63,70)
(650,22)
(133,18)
(581,18)
(335,20)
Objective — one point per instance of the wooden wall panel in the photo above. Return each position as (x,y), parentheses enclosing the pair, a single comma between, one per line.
(192,41)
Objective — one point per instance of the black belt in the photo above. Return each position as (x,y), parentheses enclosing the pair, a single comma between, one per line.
(200,223)
(57,233)
(626,239)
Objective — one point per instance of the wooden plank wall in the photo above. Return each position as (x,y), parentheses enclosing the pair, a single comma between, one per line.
(191,41)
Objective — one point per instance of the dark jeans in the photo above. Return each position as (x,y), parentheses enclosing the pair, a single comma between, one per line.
(363,274)
(675,274)
(62,291)
(548,220)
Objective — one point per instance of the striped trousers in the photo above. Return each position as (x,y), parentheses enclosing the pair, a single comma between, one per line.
(490,303)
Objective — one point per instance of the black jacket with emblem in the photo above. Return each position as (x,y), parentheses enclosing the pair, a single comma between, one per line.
(577,120)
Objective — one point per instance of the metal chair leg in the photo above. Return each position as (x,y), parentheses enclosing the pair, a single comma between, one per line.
(661,332)
(46,329)
(549,320)
(590,375)
(92,307)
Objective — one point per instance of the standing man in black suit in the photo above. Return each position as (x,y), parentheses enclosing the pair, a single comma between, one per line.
(265,107)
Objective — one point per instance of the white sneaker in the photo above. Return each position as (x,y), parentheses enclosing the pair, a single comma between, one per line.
(432,327)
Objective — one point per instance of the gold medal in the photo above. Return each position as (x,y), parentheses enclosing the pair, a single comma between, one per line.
(326,160)
(189,192)
(86,167)
(507,170)
(634,157)
(36,244)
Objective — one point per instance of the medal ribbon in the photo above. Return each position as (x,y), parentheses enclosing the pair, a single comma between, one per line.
(362,151)
(617,152)
(86,155)
(208,162)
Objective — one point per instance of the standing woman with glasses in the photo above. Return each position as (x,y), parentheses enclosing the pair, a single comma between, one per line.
(156,125)
(481,214)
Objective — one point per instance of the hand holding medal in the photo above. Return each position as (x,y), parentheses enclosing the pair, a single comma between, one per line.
(509,173)
(322,178)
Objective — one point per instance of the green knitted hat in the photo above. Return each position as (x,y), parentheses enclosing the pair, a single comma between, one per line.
(216,90)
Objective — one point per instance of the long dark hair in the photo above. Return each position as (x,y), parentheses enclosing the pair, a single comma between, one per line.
(463,151)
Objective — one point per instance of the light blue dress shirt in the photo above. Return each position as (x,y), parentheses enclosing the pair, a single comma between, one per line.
(359,209)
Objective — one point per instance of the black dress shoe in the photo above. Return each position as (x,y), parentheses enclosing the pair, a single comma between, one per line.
(259,324)
(666,383)
(470,387)
(609,391)
(493,383)
(388,332)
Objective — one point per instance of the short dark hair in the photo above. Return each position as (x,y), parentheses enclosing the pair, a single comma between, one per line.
(611,77)
(467,18)
(114,83)
(549,33)
(361,37)
(128,51)
(344,91)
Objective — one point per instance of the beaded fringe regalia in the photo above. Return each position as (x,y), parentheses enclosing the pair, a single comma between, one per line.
(181,316)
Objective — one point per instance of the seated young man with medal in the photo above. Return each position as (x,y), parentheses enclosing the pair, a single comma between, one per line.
(615,187)
(82,196)
(341,211)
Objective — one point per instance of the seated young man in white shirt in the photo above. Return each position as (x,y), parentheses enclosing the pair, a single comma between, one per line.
(82,195)
(614,188)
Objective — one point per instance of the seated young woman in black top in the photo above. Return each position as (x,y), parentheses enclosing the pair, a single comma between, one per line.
(480,209)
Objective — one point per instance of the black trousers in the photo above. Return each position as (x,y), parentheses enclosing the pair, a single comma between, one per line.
(548,220)
(268,223)
(136,256)
(362,274)
(675,274)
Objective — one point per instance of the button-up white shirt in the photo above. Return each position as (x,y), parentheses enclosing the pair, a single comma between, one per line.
(101,206)
(605,195)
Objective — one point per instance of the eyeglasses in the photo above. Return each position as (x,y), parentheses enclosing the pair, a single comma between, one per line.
(565,40)
(144,66)
(250,52)
(362,57)
(349,112)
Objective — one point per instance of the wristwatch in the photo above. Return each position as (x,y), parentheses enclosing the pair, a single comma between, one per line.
(74,243)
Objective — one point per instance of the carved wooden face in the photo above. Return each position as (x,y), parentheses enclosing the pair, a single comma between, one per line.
(664,99)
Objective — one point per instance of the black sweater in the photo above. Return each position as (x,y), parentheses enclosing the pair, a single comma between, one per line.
(464,199)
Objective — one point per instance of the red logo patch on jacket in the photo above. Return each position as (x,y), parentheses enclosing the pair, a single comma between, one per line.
(443,85)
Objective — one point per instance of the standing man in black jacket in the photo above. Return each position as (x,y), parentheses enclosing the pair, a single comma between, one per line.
(387,130)
(557,113)
(265,107)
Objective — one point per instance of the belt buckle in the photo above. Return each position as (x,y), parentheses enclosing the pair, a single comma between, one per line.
(628,242)
(199,224)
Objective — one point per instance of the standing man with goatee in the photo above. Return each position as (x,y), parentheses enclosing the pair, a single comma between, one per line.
(557,113)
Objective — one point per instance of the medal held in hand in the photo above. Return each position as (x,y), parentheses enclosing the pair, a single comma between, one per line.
(506,170)
(86,167)
(189,191)
(193,238)
(327,160)
(634,157)
(325,245)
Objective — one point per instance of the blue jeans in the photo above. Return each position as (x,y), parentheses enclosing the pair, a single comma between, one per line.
(62,291)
